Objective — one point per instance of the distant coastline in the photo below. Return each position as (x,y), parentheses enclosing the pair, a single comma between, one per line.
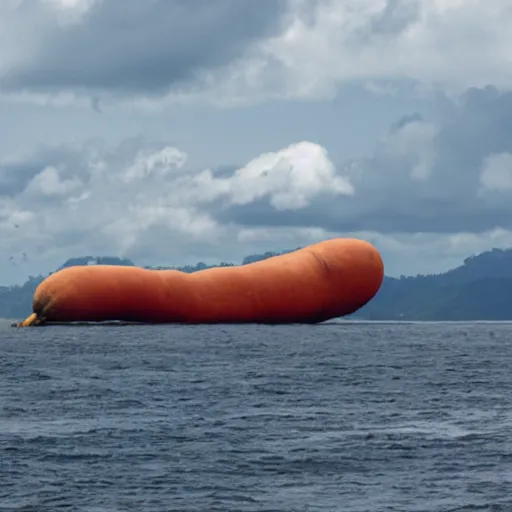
(480,289)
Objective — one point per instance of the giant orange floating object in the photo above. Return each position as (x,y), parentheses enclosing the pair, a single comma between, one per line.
(326,280)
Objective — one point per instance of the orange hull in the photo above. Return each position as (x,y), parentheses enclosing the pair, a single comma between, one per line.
(319,282)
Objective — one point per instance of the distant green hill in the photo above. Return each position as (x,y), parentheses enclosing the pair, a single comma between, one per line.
(479,289)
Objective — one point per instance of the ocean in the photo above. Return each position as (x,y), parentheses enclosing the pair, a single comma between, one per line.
(351,417)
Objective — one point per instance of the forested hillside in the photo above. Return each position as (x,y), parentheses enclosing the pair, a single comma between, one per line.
(479,289)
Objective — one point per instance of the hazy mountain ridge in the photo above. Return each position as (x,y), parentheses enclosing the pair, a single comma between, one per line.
(479,289)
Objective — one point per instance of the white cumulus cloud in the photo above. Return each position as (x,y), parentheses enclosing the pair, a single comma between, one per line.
(147,204)
(290,178)
(496,174)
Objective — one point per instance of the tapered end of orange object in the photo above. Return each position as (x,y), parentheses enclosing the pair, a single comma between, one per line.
(29,321)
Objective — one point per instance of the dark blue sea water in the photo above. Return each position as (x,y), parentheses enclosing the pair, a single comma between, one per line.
(337,417)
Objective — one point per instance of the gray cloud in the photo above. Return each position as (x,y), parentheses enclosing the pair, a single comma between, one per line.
(142,199)
(161,51)
(421,177)
(15,174)
(396,17)
(74,161)
(141,47)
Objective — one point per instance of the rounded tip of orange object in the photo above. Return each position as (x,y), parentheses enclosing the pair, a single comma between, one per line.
(360,272)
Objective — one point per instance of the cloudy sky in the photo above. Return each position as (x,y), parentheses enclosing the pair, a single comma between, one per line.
(172,131)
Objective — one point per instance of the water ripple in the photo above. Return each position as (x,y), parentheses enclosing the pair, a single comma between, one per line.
(341,417)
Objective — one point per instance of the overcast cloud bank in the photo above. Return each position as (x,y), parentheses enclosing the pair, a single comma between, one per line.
(435,187)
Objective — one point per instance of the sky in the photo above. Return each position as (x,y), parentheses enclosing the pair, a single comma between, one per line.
(178,131)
